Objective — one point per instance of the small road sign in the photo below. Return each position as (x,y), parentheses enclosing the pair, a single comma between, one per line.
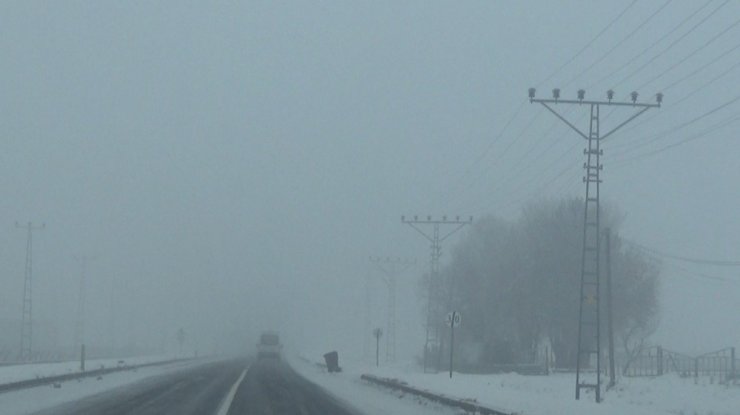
(453,316)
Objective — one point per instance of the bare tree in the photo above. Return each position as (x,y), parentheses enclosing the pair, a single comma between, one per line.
(517,284)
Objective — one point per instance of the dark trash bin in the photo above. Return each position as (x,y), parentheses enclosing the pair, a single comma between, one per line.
(332,362)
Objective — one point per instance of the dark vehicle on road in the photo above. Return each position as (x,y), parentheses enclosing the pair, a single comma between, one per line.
(269,346)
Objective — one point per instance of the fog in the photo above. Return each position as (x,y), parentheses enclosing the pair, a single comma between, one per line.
(231,167)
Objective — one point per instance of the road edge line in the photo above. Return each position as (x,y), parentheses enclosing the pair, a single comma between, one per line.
(226,403)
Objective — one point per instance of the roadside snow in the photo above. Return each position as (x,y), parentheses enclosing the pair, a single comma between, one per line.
(27,401)
(370,399)
(554,394)
(15,373)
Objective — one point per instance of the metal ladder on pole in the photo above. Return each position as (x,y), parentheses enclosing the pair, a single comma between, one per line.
(589,330)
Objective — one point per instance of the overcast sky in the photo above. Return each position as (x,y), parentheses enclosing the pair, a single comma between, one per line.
(233,165)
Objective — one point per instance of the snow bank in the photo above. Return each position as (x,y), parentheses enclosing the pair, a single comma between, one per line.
(554,394)
(15,373)
(371,400)
(31,400)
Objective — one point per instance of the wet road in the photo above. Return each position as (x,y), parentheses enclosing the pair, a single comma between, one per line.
(269,387)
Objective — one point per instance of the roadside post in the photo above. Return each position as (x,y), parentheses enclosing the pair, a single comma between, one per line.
(453,320)
(82,358)
(377,333)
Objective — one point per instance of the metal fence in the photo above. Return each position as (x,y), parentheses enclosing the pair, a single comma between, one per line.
(721,365)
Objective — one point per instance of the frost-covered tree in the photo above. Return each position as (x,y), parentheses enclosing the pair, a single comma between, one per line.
(517,285)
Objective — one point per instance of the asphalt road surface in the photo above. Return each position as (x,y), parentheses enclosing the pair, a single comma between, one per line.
(269,387)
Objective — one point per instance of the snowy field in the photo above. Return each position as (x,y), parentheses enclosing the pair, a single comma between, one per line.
(35,399)
(15,373)
(547,395)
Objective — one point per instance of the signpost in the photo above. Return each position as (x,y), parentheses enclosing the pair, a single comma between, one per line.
(453,320)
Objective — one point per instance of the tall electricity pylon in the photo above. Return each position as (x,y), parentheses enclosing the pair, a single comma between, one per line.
(27,313)
(435,302)
(81,299)
(391,267)
(589,319)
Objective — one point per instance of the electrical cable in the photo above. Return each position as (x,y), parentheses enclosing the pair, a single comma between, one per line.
(652,45)
(691,54)
(669,47)
(621,42)
(591,42)
(693,260)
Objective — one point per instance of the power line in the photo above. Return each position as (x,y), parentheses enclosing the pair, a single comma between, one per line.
(680,101)
(621,42)
(691,54)
(674,43)
(665,133)
(693,260)
(591,42)
(485,153)
(693,274)
(722,124)
(711,62)
(652,45)
(506,149)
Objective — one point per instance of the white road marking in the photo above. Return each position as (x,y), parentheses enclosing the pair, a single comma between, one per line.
(226,404)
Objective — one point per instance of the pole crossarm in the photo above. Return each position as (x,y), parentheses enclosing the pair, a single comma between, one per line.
(429,221)
(622,124)
(568,123)
(586,102)
(30,226)
(454,230)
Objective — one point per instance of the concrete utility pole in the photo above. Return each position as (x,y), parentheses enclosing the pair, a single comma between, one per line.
(27,313)
(368,319)
(589,330)
(391,267)
(377,333)
(81,299)
(435,304)
(608,248)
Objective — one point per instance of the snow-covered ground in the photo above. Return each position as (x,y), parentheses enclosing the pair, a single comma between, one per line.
(371,400)
(35,399)
(554,394)
(15,373)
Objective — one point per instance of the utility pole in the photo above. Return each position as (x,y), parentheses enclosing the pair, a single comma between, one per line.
(391,267)
(608,238)
(367,317)
(27,313)
(377,333)
(81,299)
(433,341)
(589,330)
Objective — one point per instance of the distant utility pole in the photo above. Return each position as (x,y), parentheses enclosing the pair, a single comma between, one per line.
(435,304)
(27,315)
(80,326)
(589,330)
(391,267)
(367,317)
(377,333)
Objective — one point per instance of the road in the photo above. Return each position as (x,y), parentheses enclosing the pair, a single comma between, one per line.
(268,387)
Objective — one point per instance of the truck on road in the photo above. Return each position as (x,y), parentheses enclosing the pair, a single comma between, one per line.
(269,345)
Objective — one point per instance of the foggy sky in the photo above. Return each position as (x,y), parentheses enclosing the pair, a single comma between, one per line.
(232,166)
